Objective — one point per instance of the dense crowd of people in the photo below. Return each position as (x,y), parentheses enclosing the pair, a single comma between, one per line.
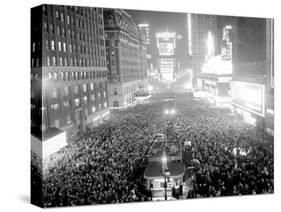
(95,168)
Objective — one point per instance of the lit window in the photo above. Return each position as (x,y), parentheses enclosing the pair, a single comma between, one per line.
(48,61)
(60,61)
(66,104)
(52,45)
(85,98)
(92,86)
(84,87)
(33,47)
(64,47)
(77,102)
(55,106)
(65,61)
(94,109)
(93,97)
(54,60)
(67,18)
(59,45)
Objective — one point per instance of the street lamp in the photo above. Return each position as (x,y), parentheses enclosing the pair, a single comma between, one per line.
(165,171)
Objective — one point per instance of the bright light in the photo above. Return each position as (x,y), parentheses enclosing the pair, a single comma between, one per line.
(210,45)
(150,88)
(166,111)
(94,109)
(173,111)
(164,159)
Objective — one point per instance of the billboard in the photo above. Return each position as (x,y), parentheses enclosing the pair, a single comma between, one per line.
(166,49)
(249,96)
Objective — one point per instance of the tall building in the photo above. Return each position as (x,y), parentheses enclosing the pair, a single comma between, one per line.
(253,72)
(198,28)
(144,28)
(166,44)
(68,68)
(125,54)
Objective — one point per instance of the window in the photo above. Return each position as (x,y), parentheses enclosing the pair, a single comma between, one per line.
(62,17)
(33,46)
(51,28)
(55,106)
(65,61)
(66,104)
(84,87)
(67,19)
(105,105)
(48,61)
(59,45)
(77,102)
(70,48)
(85,99)
(94,109)
(54,60)
(61,61)
(93,97)
(54,93)
(47,44)
(57,14)
(52,45)
(99,94)
(92,86)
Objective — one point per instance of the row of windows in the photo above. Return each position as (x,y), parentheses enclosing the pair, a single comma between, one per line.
(76,103)
(71,48)
(81,36)
(75,75)
(70,19)
(64,61)
(84,88)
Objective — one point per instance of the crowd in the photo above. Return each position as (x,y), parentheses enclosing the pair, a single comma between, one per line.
(95,168)
(235,158)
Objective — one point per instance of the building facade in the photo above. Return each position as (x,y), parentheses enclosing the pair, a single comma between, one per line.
(68,67)
(126,57)
(253,72)
(144,28)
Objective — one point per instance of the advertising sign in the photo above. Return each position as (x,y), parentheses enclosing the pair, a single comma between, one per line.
(249,96)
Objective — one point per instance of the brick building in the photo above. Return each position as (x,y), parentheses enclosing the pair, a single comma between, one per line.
(68,67)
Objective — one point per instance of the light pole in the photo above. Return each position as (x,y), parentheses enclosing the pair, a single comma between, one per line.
(165,169)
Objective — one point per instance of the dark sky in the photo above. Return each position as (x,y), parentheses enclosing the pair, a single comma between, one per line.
(159,22)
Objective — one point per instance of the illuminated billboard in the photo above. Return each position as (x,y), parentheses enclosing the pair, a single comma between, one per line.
(249,96)
(166,49)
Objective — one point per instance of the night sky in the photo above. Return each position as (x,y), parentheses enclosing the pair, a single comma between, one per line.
(159,22)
